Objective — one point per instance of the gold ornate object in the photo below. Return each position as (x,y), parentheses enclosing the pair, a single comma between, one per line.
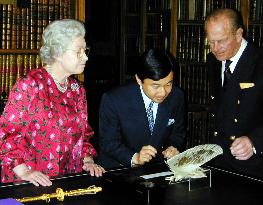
(60,194)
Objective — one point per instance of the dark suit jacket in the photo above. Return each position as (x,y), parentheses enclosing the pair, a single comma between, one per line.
(239,111)
(124,126)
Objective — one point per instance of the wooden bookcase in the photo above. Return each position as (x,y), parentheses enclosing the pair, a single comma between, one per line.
(144,24)
(177,26)
(189,45)
(21,27)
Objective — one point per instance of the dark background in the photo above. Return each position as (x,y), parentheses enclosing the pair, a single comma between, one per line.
(102,69)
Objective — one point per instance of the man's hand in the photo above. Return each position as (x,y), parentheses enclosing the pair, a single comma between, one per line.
(35,177)
(170,152)
(242,148)
(145,155)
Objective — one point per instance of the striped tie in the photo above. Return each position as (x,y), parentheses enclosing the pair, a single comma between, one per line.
(149,112)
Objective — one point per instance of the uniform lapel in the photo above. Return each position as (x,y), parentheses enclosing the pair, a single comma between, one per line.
(242,71)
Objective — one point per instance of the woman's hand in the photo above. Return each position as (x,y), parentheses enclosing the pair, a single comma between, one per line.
(92,168)
(35,177)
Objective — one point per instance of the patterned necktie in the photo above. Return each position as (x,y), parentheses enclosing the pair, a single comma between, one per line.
(227,72)
(149,112)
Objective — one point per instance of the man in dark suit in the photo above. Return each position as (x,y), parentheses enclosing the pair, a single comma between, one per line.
(236,78)
(144,119)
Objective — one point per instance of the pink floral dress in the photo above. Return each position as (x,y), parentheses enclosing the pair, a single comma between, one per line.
(44,128)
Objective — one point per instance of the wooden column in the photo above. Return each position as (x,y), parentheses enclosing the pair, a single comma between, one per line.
(245,12)
(174,13)
(80,10)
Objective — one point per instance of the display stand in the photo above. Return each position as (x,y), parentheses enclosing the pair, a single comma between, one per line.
(198,183)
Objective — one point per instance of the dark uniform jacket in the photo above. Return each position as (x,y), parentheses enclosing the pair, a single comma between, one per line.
(237,110)
(124,126)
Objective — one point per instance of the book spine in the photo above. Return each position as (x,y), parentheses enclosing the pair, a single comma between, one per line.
(18,28)
(9,26)
(14,29)
(4,26)
(12,72)
(67,9)
(19,64)
(39,22)
(26,64)
(61,9)
(45,14)
(33,24)
(51,10)
(56,9)
(7,72)
(38,61)
(32,61)
(23,28)
(1,74)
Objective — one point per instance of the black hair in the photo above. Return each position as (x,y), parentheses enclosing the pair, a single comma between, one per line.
(154,64)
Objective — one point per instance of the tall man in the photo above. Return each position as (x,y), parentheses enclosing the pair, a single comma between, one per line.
(144,119)
(236,77)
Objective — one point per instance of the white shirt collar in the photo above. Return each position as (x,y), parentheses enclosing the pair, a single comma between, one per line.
(147,101)
(236,57)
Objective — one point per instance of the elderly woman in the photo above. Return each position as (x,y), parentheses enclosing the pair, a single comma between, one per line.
(44,130)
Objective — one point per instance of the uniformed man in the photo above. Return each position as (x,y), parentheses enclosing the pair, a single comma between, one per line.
(236,78)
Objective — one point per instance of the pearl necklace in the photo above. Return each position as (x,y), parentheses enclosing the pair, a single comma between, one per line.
(62,87)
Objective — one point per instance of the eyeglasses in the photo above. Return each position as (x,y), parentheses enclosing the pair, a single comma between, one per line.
(81,52)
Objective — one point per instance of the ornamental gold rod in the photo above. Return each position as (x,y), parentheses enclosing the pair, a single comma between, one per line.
(60,194)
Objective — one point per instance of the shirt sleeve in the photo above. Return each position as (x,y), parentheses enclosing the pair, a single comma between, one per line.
(14,121)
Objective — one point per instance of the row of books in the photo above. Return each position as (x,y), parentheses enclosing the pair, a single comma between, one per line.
(255,34)
(194,81)
(152,5)
(151,41)
(14,66)
(256,10)
(192,46)
(198,129)
(22,27)
(199,9)
(157,41)
(156,27)
(156,23)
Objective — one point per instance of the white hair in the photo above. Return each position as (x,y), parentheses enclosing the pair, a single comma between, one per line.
(57,36)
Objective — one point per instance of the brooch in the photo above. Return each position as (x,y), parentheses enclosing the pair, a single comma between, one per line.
(74,86)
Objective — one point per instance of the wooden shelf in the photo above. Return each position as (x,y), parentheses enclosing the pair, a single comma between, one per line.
(19,51)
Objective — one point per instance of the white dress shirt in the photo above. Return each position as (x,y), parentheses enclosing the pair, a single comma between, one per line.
(147,101)
(234,59)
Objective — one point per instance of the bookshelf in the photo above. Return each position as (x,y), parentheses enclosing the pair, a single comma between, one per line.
(144,24)
(255,22)
(21,26)
(189,45)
